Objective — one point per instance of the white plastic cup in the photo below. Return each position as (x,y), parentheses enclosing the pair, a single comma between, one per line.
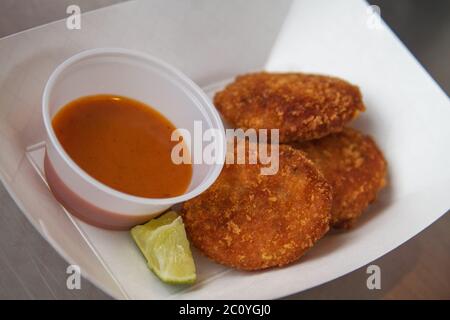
(141,77)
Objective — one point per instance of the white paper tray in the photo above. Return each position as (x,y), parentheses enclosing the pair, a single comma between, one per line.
(407,113)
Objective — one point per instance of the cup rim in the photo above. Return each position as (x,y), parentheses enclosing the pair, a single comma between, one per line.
(186,82)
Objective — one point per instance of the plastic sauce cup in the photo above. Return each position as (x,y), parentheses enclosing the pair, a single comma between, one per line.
(141,77)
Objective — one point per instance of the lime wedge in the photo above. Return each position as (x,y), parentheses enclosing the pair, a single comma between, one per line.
(164,244)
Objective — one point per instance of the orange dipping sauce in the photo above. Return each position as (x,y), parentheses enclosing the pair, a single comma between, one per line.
(122,143)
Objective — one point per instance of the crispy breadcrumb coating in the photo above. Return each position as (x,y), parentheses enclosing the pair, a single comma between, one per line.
(251,221)
(354,166)
(302,106)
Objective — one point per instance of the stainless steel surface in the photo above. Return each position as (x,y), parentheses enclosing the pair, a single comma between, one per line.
(31,269)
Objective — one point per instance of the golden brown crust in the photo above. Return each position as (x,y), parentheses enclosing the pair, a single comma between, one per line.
(251,221)
(302,106)
(354,166)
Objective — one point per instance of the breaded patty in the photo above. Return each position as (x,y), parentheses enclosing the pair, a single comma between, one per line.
(251,221)
(301,106)
(354,166)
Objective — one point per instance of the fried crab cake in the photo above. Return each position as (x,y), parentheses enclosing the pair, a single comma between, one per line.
(301,106)
(354,166)
(251,221)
